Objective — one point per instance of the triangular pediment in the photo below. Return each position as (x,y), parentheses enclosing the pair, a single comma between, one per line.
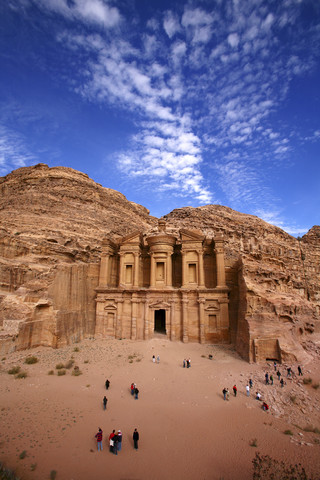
(191,236)
(159,305)
(134,238)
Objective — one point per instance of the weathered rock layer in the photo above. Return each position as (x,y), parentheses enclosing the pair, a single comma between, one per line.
(53,221)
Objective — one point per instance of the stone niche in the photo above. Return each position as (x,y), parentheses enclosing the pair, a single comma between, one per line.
(165,283)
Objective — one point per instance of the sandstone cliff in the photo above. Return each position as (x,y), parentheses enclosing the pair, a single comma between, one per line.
(53,220)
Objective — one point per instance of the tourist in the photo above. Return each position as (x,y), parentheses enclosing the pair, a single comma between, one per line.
(248,390)
(105,401)
(251,383)
(111,442)
(132,388)
(234,388)
(282,383)
(135,437)
(288,372)
(300,370)
(153,359)
(258,396)
(136,392)
(115,444)
(279,375)
(267,378)
(271,379)
(189,362)
(119,435)
(107,384)
(265,406)
(184,363)
(158,359)
(99,439)
(227,394)
(224,391)
(275,366)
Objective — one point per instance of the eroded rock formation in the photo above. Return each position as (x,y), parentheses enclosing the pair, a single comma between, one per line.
(53,222)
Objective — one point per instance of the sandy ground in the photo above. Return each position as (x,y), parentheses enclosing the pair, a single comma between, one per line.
(187,431)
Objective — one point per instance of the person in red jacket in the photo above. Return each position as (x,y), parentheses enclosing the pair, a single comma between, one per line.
(99,439)
(111,441)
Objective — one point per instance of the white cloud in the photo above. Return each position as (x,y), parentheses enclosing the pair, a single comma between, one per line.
(13,151)
(171,24)
(233,40)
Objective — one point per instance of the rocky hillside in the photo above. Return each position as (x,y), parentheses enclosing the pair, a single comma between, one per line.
(53,220)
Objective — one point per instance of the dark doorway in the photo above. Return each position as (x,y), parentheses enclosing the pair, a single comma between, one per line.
(160,321)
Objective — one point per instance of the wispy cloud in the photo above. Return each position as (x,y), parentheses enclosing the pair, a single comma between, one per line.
(13,151)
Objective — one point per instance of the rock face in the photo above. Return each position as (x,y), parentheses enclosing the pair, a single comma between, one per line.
(52,224)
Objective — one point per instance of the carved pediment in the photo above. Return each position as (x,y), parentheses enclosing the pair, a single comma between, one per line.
(110,306)
(191,236)
(160,305)
(212,308)
(134,238)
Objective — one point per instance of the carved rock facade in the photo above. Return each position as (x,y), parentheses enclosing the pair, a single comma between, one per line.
(163,283)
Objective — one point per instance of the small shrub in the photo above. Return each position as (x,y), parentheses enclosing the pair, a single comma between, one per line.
(59,366)
(76,372)
(33,467)
(69,364)
(311,428)
(51,372)
(3,359)
(315,386)
(61,372)
(21,375)
(86,361)
(288,432)
(23,455)
(293,399)
(76,349)
(53,475)
(131,361)
(253,443)
(131,357)
(14,370)
(138,359)
(31,360)
(307,381)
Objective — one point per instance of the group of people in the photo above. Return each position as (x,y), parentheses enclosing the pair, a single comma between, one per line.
(154,358)
(186,362)
(115,440)
(134,390)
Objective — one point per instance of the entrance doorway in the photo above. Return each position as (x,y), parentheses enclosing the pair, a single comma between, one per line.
(160,321)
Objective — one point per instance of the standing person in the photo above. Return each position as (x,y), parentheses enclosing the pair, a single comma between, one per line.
(234,388)
(267,378)
(275,366)
(119,435)
(251,383)
(248,390)
(224,391)
(158,359)
(227,394)
(288,372)
(99,439)
(184,363)
(111,442)
(107,384)
(282,383)
(299,370)
(132,388)
(271,379)
(136,393)
(105,401)
(279,375)
(135,437)
(153,359)
(189,362)
(115,444)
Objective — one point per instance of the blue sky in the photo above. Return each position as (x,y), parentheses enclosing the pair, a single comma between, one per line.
(172,103)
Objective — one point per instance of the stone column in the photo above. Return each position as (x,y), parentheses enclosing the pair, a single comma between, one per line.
(185,325)
(152,270)
(134,308)
(169,270)
(219,249)
(202,302)
(136,269)
(104,269)
(172,321)
(201,270)
(119,319)
(121,270)
(146,320)
(184,269)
